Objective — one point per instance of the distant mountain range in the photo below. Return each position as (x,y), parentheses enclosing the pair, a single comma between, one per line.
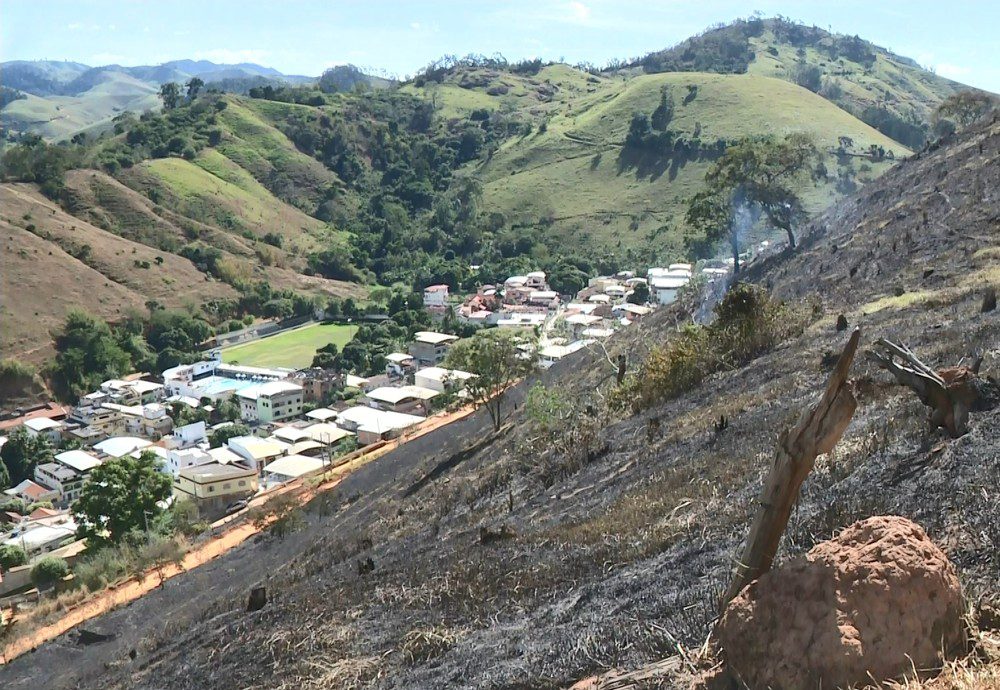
(59,99)
(54,78)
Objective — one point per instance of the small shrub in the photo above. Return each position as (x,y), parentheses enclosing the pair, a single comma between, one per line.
(11,556)
(48,571)
(748,324)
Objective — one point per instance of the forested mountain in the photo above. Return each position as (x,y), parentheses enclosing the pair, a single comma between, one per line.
(332,188)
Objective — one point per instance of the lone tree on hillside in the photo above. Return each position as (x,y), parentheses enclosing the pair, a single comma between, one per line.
(193,87)
(121,497)
(753,175)
(170,94)
(966,107)
(497,361)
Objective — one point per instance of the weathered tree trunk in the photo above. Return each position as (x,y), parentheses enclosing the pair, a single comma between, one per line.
(791,237)
(817,432)
(951,393)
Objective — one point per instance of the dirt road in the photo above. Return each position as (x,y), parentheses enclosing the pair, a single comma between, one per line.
(135,587)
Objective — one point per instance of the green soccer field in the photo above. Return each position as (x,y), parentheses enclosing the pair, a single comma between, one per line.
(293,349)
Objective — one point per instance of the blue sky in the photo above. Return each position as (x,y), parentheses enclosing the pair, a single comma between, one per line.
(957,37)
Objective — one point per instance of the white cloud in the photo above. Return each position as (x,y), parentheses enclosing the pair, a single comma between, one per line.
(79,26)
(227,56)
(578,13)
(946,69)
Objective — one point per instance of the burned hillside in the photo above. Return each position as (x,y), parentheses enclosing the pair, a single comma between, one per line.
(596,531)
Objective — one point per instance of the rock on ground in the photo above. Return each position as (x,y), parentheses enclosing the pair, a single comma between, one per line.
(875,602)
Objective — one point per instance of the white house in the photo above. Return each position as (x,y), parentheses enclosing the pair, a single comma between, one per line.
(178,460)
(120,446)
(429,348)
(402,398)
(440,379)
(326,433)
(188,435)
(398,364)
(290,467)
(64,480)
(436,296)
(270,402)
(373,425)
(536,280)
(45,428)
(665,288)
(79,460)
(256,452)
(549,355)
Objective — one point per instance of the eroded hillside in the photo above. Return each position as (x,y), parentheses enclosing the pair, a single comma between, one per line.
(563,547)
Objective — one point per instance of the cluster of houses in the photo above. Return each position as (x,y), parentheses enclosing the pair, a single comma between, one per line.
(290,437)
(522,301)
(130,417)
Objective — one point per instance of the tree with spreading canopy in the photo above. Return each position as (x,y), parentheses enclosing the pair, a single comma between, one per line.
(497,361)
(640,294)
(21,453)
(170,94)
(87,353)
(966,107)
(193,87)
(48,571)
(122,496)
(220,436)
(12,556)
(760,174)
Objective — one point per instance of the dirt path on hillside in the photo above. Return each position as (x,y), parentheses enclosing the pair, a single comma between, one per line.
(135,587)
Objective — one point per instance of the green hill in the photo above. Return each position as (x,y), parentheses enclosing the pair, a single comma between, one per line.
(888,91)
(575,178)
(475,169)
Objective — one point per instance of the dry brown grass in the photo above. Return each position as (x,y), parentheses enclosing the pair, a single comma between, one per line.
(420,645)
(344,674)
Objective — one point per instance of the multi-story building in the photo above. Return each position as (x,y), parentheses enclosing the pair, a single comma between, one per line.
(214,486)
(270,402)
(436,296)
(430,348)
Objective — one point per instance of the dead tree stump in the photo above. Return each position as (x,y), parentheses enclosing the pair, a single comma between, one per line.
(951,393)
(257,600)
(817,432)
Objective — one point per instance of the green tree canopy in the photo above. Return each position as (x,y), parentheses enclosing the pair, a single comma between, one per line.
(21,453)
(170,94)
(966,107)
(494,357)
(48,571)
(121,497)
(87,353)
(220,436)
(193,87)
(12,556)
(759,173)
